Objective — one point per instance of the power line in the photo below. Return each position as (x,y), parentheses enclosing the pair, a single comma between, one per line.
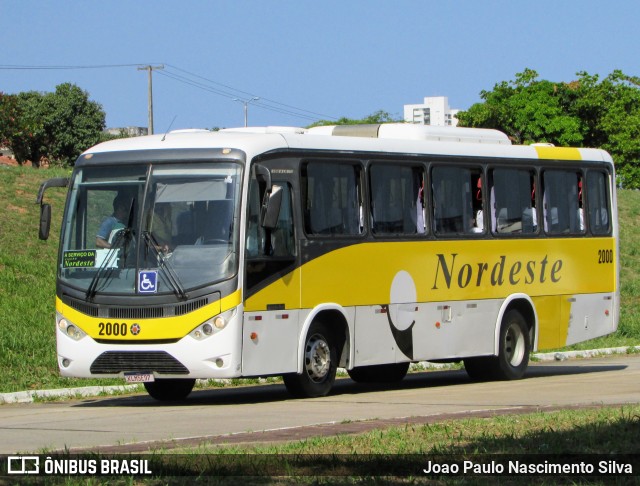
(205,84)
(196,84)
(227,94)
(248,94)
(58,67)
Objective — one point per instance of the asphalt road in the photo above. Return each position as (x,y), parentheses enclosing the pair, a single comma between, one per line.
(225,415)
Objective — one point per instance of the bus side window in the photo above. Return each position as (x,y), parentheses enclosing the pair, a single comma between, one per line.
(282,237)
(454,209)
(333,198)
(396,206)
(512,202)
(281,251)
(562,212)
(254,233)
(598,202)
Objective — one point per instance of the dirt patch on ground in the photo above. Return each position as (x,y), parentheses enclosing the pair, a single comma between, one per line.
(4,160)
(17,209)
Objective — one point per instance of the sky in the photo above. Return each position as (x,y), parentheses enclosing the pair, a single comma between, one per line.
(304,60)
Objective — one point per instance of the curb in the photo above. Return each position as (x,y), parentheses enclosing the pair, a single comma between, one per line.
(95,391)
(592,353)
(86,391)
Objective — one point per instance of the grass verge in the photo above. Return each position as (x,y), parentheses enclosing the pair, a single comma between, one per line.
(400,455)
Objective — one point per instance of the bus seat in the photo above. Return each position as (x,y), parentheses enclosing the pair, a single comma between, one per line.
(184,224)
(501,219)
(218,223)
(528,221)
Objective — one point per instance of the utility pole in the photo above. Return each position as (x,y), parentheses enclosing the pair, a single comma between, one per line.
(150,70)
(246,104)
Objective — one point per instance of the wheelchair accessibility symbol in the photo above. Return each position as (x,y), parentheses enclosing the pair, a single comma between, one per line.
(148,281)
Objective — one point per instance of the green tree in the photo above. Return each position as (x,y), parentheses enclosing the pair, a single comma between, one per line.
(58,126)
(73,123)
(585,112)
(528,110)
(9,117)
(379,116)
(610,109)
(27,138)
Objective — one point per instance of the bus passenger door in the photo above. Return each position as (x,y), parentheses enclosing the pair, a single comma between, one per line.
(271,289)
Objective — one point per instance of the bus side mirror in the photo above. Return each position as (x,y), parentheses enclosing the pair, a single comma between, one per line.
(45,221)
(45,209)
(271,207)
(271,197)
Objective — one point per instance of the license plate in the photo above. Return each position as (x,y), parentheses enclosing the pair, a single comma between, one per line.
(139,377)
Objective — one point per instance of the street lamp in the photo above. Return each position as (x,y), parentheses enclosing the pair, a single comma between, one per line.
(246,104)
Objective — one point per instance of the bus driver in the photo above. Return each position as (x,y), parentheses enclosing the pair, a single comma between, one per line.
(121,205)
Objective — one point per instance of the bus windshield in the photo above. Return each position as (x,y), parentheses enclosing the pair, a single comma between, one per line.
(151,229)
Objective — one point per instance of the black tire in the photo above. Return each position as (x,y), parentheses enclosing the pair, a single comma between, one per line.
(513,352)
(480,369)
(386,373)
(171,389)
(320,364)
(515,346)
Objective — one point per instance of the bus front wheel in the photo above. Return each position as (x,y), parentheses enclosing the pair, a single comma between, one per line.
(170,389)
(513,353)
(320,364)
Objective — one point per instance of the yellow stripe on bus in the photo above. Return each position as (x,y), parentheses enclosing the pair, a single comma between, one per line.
(231,301)
(558,153)
(446,271)
(149,329)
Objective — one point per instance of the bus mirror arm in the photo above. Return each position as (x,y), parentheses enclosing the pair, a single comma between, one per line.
(264,176)
(55,182)
(45,208)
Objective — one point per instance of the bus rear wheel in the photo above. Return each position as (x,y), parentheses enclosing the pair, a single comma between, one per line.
(320,364)
(386,373)
(513,352)
(170,389)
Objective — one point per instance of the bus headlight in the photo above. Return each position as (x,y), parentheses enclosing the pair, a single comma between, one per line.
(213,325)
(68,328)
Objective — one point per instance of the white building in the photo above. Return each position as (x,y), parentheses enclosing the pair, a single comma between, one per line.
(434,111)
(128,131)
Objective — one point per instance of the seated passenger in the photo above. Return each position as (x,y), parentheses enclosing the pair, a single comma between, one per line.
(162,227)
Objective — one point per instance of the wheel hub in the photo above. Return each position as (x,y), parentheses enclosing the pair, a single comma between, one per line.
(514,345)
(317,358)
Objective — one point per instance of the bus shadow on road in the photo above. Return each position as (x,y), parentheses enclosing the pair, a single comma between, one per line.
(254,394)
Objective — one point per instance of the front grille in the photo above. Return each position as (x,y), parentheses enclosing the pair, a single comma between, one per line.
(112,362)
(135,312)
(190,306)
(88,309)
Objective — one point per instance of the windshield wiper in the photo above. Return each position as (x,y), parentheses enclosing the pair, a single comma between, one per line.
(172,277)
(106,263)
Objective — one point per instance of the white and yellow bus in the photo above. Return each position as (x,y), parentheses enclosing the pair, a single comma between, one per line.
(283,251)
